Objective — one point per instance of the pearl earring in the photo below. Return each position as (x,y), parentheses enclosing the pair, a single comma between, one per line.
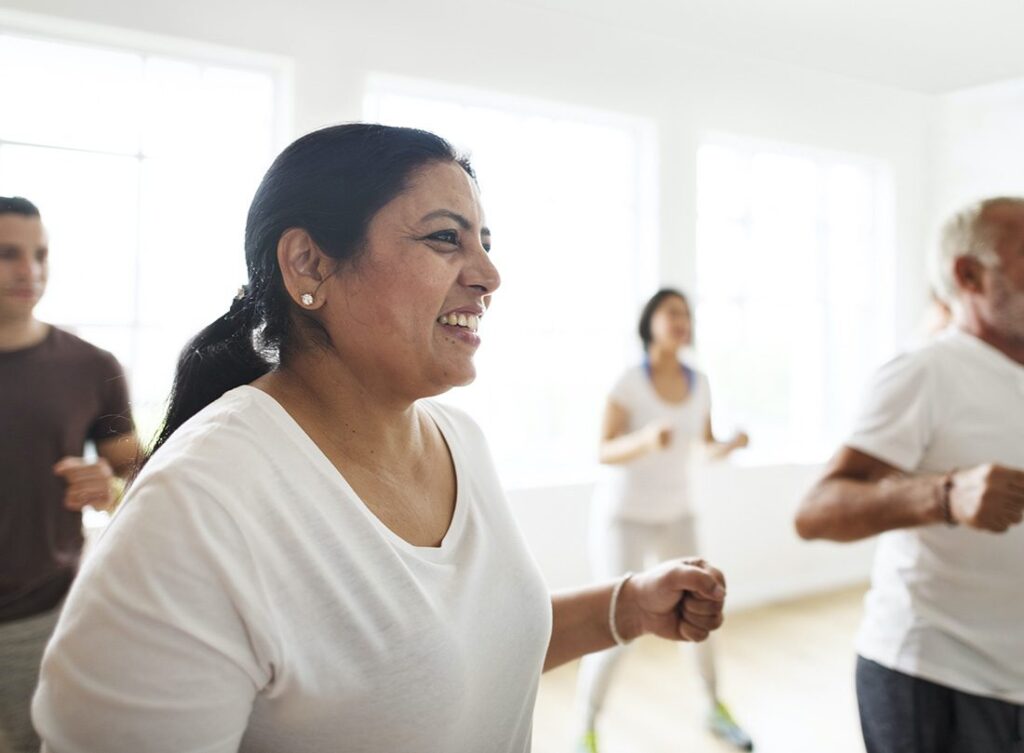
(307,299)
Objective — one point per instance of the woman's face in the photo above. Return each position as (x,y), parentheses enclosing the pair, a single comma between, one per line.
(671,326)
(410,305)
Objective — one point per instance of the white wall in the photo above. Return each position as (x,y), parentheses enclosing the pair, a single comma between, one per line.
(978,146)
(745,530)
(530,52)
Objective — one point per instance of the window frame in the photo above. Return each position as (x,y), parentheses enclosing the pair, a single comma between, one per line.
(645,203)
(883,233)
(279,69)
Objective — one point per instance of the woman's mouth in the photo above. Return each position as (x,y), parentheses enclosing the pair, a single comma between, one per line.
(465,321)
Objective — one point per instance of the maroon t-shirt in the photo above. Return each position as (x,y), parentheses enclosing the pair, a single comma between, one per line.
(53,397)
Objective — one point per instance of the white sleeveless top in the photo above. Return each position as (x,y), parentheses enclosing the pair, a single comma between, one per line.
(654,488)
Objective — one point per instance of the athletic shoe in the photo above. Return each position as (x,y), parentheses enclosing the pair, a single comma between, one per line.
(587,743)
(722,725)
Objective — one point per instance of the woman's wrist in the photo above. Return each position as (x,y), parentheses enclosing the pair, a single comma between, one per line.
(625,624)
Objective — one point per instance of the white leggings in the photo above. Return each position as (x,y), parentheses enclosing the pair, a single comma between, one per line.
(620,546)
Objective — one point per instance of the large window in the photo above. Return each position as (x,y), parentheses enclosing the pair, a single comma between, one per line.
(794,286)
(143,166)
(567,194)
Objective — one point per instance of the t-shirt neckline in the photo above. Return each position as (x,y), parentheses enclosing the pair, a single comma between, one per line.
(990,353)
(34,347)
(454,533)
(653,391)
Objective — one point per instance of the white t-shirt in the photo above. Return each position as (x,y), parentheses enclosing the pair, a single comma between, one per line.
(947,604)
(244,599)
(654,488)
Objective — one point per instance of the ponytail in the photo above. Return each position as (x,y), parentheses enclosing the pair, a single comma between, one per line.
(221,357)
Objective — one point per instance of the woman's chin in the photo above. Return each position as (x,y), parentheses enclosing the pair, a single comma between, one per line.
(466,379)
(451,379)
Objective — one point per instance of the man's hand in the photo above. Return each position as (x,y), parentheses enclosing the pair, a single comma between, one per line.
(87,483)
(988,497)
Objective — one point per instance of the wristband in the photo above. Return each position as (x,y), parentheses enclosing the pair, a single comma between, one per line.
(611,609)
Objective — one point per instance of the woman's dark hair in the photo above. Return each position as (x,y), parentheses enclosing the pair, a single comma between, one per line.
(330,183)
(18,205)
(650,307)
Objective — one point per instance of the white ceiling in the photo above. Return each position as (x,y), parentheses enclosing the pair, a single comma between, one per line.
(925,45)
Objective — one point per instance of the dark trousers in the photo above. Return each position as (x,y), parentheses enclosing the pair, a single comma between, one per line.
(904,714)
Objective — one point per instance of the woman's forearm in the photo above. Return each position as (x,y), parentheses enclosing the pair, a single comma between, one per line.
(580,625)
(626,447)
(715,450)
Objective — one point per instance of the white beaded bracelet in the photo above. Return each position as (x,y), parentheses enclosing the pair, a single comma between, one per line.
(611,609)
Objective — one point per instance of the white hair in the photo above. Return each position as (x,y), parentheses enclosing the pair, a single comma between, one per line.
(967,233)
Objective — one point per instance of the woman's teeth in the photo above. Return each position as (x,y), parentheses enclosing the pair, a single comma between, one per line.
(469,321)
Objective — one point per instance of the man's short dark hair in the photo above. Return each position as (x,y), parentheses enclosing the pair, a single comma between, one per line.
(18,205)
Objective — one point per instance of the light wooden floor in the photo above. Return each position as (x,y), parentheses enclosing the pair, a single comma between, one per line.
(786,671)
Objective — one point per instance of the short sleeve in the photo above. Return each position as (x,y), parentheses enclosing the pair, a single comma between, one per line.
(157,648)
(624,390)
(114,418)
(897,416)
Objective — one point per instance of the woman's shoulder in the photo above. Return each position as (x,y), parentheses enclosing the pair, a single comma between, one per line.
(632,375)
(627,383)
(467,440)
(228,439)
(230,462)
(697,377)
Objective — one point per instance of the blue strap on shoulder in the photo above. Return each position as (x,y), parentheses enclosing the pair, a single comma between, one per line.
(689,373)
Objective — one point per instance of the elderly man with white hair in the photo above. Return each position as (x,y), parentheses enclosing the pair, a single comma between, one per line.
(934,465)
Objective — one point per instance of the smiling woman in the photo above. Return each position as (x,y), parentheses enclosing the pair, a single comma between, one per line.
(316,556)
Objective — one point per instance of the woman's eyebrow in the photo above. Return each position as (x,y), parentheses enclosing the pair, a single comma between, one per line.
(462,221)
(459,219)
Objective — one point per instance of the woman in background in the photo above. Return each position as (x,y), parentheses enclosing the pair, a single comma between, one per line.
(641,508)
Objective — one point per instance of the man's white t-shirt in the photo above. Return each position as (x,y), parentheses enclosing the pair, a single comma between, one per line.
(654,488)
(244,599)
(947,604)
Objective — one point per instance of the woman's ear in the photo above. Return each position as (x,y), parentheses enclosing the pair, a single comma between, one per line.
(303,267)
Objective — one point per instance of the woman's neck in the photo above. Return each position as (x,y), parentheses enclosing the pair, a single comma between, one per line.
(662,358)
(358,417)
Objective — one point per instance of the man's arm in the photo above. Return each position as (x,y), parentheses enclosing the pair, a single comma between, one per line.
(123,453)
(93,483)
(861,496)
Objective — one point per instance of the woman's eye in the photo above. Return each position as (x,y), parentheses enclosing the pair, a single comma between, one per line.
(446,236)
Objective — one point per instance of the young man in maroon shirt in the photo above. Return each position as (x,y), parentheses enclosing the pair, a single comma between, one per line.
(57,392)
